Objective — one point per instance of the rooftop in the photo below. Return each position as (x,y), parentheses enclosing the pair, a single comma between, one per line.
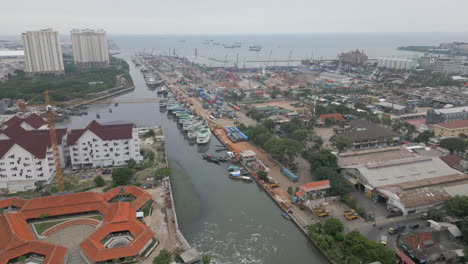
(315,186)
(391,105)
(453,124)
(104,132)
(450,110)
(336,116)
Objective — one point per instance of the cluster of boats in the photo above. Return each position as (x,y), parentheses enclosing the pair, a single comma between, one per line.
(195,127)
(238,173)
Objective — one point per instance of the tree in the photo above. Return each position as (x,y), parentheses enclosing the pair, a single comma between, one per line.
(291,148)
(99,181)
(365,250)
(164,257)
(131,163)
(457,206)
(206,259)
(453,144)
(333,226)
(324,158)
(329,121)
(424,136)
(289,127)
(359,105)
(435,214)
(464,229)
(342,143)
(269,124)
(160,173)
(122,176)
(300,135)
(263,175)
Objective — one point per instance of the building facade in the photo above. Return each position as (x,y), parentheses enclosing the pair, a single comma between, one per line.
(353,57)
(42,52)
(451,129)
(103,145)
(26,155)
(397,63)
(443,115)
(90,48)
(449,65)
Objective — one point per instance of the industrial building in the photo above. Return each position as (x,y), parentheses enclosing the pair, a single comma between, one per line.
(364,134)
(443,115)
(90,48)
(451,129)
(405,181)
(42,52)
(397,63)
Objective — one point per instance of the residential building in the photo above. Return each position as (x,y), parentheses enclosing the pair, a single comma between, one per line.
(42,52)
(314,190)
(427,62)
(443,115)
(397,63)
(353,57)
(90,48)
(451,129)
(450,64)
(364,134)
(103,145)
(405,181)
(26,155)
(118,234)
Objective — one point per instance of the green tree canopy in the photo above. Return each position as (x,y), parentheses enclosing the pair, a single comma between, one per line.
(99,181)
(289,127)
(366,250)
(453,144)
(342,143)
(424,136)
(324,158)
(457,206)
(269,124)
(122,176)
(164,257)
(333,226)
(300,135)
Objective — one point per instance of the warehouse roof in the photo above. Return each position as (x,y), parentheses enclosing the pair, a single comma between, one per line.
(453,124)
(450,110)
(390,105)
(359,157)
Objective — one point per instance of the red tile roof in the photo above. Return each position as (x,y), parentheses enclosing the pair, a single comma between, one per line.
(454,124)
(336,116)
(35,121)
(104,132)
(451,160)
(17,239)
(314,186)
(15,119)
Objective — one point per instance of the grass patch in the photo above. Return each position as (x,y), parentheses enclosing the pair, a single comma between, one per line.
(41,227)
(97,217)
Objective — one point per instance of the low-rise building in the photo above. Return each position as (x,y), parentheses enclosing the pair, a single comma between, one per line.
(104,145)
(393,108)
(451,129)
(314,190)
(364,134)
(336,117)
(443,115)
(405,181)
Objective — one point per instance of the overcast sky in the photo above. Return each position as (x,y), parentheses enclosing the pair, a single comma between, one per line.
(235,16)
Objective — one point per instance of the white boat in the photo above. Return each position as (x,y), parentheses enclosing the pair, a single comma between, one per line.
(192,134)
(204,135)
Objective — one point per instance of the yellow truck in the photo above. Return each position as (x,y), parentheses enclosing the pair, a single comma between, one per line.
(323,213)
(273,185)
(350,214)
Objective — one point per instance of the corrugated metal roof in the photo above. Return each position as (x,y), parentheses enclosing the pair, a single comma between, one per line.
(457,190)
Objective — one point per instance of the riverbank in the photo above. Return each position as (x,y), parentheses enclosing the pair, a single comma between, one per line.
(302,219)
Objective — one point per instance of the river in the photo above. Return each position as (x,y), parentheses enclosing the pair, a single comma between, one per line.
(233,221)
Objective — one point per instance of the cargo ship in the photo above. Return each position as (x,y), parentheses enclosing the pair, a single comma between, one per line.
(255,48)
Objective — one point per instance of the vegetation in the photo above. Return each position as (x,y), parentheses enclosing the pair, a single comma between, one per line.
(342,143)
(164,257)
(74,84)
(99,181)
(149,133)
(263,175)
(206,259)
(41,227)
(122,176)
(453,144)
(160,173)
(424,136)
(351,248)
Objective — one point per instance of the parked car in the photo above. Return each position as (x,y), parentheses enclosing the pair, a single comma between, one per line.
(414,226)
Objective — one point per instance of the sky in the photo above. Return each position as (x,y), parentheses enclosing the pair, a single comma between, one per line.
(235,16)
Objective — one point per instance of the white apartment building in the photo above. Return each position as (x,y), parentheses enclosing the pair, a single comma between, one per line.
(103,145)
(26,155)
(450,65)
(90,48)
(42,52)
(396,63)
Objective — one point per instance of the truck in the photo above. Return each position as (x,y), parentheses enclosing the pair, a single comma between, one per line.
(323,213)
(206,106)
(396,229)
(293,177)
(383,240)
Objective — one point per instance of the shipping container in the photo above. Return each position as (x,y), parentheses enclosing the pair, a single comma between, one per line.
(244,136)
(235,128)
(293,177)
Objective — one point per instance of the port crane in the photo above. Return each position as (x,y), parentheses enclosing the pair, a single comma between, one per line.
(51,118)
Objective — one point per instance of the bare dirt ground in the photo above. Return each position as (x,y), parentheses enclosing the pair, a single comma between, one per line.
(325,133)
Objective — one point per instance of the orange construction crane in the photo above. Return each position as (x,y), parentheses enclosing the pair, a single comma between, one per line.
(50,115)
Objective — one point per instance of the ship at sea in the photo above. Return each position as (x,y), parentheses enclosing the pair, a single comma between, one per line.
(255,48)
